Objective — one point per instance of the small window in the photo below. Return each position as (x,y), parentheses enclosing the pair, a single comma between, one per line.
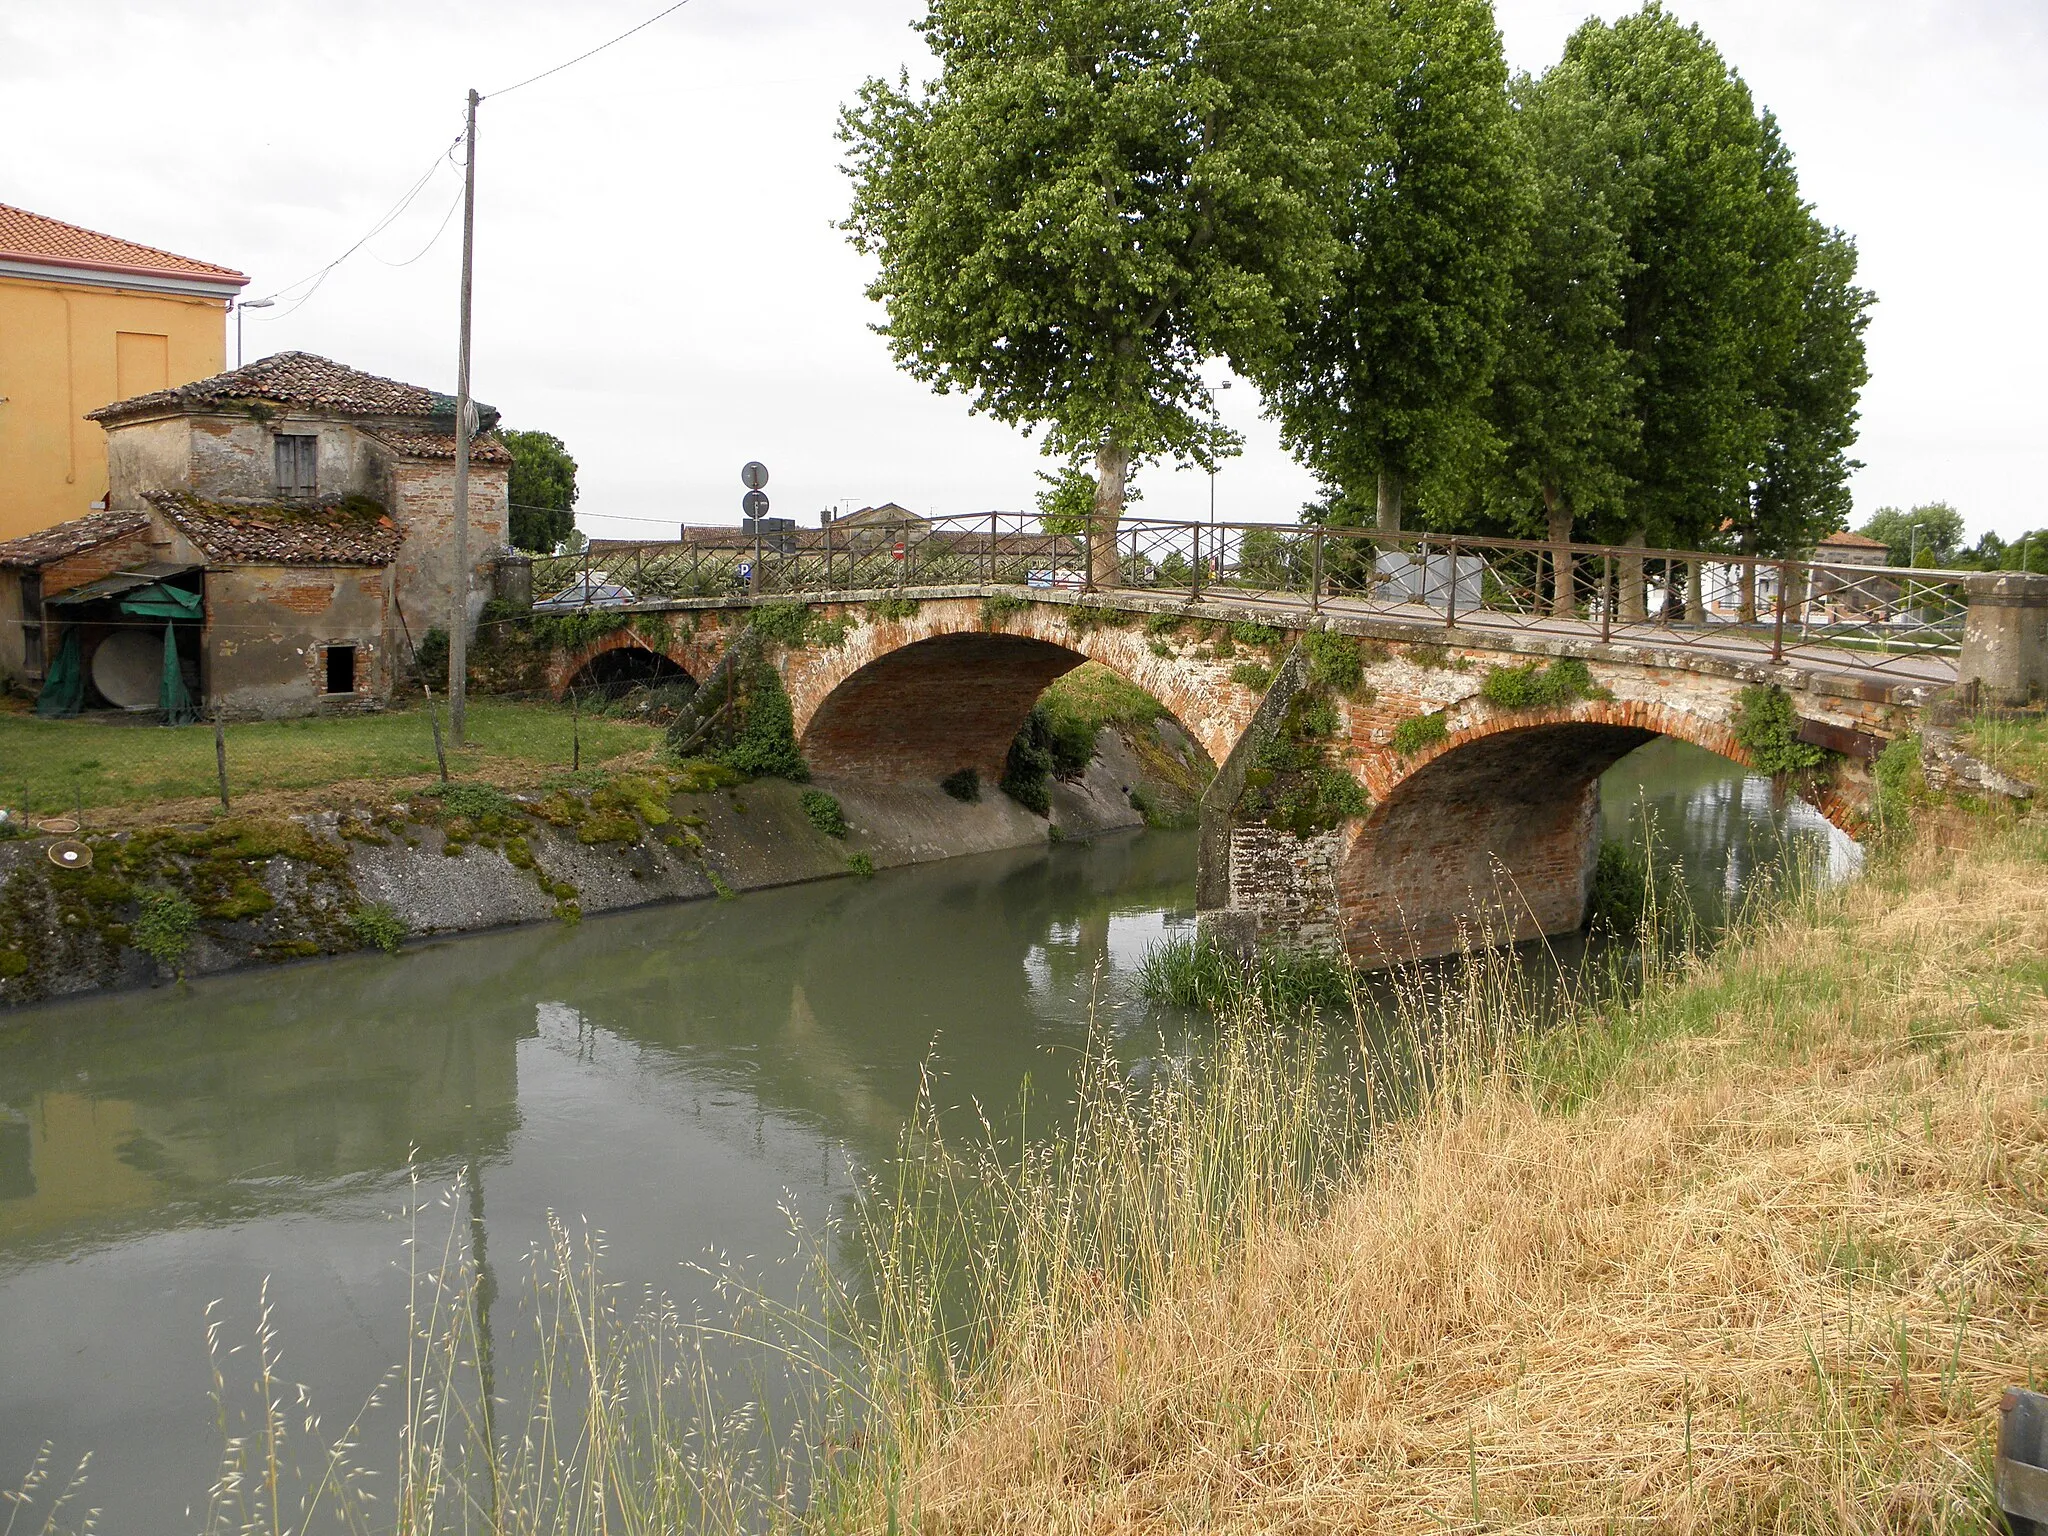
(297,457)
(341,669)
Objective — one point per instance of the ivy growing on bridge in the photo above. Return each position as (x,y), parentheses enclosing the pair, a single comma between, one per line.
(1767,728)
(1292,784)
(1536,686)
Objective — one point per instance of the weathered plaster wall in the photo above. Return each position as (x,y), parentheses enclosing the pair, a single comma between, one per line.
(267,625)
(146,456)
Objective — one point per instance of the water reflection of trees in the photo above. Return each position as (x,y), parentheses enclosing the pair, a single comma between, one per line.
(277,1091)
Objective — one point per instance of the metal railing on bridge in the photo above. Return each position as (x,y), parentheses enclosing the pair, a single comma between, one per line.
(1873,617)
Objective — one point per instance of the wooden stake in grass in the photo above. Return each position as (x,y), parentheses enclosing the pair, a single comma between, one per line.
(220,756)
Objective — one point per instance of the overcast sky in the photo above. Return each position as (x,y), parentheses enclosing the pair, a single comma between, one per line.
(659,282)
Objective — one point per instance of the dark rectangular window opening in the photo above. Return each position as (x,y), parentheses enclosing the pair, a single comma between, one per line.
(341,669)
(298,457)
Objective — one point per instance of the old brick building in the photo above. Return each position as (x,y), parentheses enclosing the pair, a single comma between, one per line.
(310,505)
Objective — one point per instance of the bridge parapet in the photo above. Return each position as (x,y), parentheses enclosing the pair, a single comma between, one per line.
(1911,626)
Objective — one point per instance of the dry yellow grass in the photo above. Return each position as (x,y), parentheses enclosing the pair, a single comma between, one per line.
(1770,1275)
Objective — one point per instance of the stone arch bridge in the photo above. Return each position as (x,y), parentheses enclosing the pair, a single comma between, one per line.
(1474,816)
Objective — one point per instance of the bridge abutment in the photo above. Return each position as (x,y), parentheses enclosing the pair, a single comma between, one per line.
(2005,639)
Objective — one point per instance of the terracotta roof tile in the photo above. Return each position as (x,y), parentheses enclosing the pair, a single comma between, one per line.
(26,236)
(441,445)
(302,379)
(353,531)
(1847,540)
(81,533)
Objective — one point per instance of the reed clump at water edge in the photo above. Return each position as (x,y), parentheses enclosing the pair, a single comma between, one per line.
(1750,1243)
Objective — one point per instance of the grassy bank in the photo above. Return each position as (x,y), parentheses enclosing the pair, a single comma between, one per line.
(53,766)
(1757,1251)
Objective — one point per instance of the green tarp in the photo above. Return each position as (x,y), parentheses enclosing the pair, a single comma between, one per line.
(161,602)
(64,684)
(175,700)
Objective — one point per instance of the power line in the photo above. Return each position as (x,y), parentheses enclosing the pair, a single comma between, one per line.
(506,90)
(390,217)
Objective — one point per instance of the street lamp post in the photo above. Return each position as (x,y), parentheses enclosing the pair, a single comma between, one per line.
(239,307)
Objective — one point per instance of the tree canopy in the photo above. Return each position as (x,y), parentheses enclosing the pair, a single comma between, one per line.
(542,491)
(1388,368)
(1685,351)
(1935,528)
(1564,394)
(1092,198)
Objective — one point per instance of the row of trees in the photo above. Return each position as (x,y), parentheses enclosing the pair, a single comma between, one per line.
(1588,303)
(1932,535)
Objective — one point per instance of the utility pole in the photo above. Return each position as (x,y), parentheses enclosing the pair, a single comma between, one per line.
(458,625)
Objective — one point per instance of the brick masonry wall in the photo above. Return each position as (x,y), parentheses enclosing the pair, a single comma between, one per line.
(422,502)
(1491,834)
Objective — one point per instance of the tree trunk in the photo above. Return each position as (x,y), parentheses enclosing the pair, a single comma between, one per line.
(1748,589)
(1558,524)
(1390,501)
(1635,602)
(1112,468)
(1695,598)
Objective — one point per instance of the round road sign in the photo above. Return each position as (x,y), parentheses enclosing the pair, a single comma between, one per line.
(755,475)
(755,503)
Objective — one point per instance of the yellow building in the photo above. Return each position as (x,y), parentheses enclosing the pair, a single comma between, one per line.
(86,319)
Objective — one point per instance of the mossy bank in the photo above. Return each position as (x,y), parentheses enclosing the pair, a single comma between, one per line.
(156,905)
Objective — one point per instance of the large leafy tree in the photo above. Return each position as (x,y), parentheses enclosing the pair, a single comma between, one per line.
(1093,197)
(1934,528)
(1800,493)
(1740,323)
(1389,369)
(1563,397)
(542,491)
(1702,315)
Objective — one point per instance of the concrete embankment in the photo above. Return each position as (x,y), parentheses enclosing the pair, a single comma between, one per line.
(193,901)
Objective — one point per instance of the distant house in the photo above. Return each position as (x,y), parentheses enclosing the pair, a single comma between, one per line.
(1847,548)
(888,514)
(88,318)
(275,534)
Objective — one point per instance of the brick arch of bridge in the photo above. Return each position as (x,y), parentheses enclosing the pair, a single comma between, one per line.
(695,653)
(1493,833)
(949,687)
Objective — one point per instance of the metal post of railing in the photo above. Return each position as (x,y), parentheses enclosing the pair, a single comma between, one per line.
(1315,590)
(1090,532)
(586,574)
(1606,597)
(1778,623)
(1451,597)
(1195,570)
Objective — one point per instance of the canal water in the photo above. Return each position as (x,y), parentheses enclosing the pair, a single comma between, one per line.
(681,1079)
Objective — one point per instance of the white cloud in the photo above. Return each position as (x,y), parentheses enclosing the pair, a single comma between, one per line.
(659,281)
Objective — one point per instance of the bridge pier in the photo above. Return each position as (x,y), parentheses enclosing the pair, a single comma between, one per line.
(2005,639)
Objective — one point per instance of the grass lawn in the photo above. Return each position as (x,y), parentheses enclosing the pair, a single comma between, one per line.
(50,766)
